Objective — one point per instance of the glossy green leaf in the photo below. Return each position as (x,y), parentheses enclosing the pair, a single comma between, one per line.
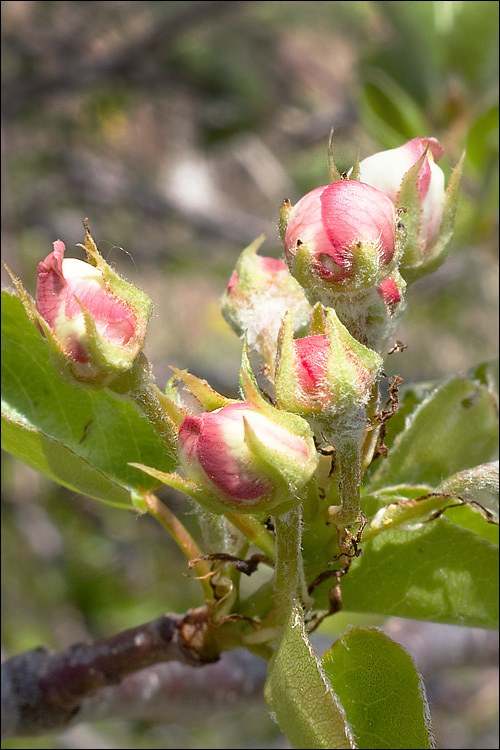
(380,689)
(440,572)
(454,428)
(80,438)
(299,695)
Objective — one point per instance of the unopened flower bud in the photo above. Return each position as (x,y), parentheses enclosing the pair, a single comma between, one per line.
(245,461)
(410,177)
(327,376)
(259,293)
(94,321)
(341,238)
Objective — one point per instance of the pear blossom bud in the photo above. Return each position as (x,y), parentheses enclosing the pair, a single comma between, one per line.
(340,238)
(327,377)
(244,460)
(411,178)
(94,320)
(258,294)
(386,170)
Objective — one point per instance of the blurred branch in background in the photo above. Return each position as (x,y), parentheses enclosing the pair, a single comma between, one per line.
(178,128)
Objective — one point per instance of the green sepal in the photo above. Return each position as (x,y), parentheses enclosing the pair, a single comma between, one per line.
(284,215)
(435,255)
(202,390)
(318,320)
(347,355)
(285,384)
(249,388)
(409,199)
(110,360)
(355,172)
(282,473)
(333,173)
(128,293)
(172,480)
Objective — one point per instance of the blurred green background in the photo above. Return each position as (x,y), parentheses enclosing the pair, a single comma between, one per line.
(178,128)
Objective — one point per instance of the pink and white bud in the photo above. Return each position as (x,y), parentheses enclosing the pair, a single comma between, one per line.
(95,319)
(340,238)
(386,170)
(246,461)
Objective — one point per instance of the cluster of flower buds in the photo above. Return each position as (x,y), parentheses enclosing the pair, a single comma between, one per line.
(354,244)
(318,320)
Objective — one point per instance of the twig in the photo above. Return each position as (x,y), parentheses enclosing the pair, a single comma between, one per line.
(42,691)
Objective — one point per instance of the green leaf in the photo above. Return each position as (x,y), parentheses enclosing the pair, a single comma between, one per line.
(440,572)
(455,427)
(469,499)
(299,695)
(478,486)
(79,438)
(380,689)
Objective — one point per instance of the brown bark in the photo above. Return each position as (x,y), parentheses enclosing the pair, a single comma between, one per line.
(42,691)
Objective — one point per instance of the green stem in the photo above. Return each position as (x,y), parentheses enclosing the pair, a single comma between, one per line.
(349,465)
(185,541)
(138,385)
(254,532)
(289,573)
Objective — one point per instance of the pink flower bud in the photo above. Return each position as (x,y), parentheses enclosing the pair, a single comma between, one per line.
(340,238)
(386,169)
(96,320)
(326,376)
(246,460)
